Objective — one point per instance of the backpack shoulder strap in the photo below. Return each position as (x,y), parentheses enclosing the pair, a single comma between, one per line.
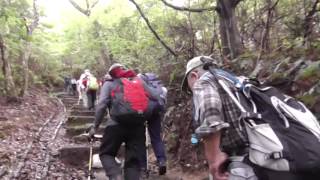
(222,87)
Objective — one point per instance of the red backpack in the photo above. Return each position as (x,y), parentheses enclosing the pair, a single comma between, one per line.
(129,101)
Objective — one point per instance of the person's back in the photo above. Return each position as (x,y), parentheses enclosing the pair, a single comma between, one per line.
(224,129)
(73,82)
(157,109)
(121,127)
(156,86)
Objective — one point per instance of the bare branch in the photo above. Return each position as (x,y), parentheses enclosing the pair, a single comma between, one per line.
(83,11)
(274,5)
(235,3)
(94,4)
(152,30)
(308,20)
(36,15)
(264,39)
(213,8)
(313,10)
(87,3)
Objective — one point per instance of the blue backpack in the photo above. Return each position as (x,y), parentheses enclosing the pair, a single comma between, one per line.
(155,84)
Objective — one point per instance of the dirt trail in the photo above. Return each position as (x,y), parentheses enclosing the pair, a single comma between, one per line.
(40,140)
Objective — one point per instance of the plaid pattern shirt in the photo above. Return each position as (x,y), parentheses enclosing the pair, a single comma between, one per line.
(214,111)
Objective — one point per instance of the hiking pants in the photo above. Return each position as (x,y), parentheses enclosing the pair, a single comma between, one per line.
(154,130)
(74,89)
(84,98)
(91,95)
(134,139)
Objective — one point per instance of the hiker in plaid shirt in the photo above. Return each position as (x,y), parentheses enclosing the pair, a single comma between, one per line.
(216,119)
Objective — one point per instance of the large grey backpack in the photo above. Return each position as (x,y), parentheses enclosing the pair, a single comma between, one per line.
(283,134)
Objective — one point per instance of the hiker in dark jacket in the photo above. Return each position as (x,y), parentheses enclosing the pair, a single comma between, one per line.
(116,132)
(154,122)
(217,123)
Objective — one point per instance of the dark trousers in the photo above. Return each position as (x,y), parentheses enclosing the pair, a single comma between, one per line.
(74,89)
(134,138)
(92,96)
(67,83)
(154,129)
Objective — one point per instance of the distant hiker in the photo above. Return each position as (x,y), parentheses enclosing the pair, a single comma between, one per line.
(73,82)
(67,83)
(80,90)
(250,131)
(127,99)
(89,86)
(70,85)
(82,83)
(92,88)
(154,122)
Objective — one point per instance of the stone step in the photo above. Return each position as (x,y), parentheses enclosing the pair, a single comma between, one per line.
(70,102)
(78,120)
(67,96)
(76,130)
(80,139)
(79,107)
(82,113)
(69,106)
(71,98)
(63,94)
(76,155)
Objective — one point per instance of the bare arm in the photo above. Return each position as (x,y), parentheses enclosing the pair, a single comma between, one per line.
(214,156)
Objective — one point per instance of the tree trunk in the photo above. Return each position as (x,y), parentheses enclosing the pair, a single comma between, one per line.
(7,72)
(308,24)
(25,55)
(229,32)
(105,58)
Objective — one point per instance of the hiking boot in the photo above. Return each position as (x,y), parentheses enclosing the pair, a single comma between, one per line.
(144,174)
(162,168)
(116,177)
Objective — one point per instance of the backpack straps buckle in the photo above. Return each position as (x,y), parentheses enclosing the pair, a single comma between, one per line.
(276,155)
(250,115)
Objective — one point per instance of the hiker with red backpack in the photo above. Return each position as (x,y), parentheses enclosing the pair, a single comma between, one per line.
(127,98)
(89,85)
(251,131)
(154,121)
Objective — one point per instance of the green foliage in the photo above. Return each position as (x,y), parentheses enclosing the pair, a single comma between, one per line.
(115,32)
(312,72)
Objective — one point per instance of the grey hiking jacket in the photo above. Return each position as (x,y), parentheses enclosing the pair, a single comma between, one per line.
(105,102)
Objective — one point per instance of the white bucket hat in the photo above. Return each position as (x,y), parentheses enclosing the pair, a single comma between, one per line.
(115,65)
(192,64)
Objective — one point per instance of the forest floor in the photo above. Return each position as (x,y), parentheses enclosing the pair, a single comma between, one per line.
(31,135)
